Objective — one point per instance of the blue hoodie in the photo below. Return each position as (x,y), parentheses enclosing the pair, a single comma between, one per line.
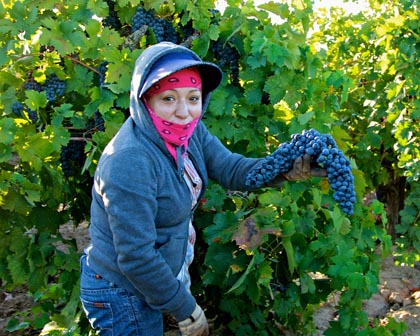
(141,207)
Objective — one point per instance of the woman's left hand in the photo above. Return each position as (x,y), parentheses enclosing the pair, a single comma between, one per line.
(302,170)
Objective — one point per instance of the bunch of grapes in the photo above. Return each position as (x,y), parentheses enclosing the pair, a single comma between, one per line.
(54,87)
(228,58)
(33,116)
(324,152)
(99,121)
(112,20)
(103,68)
(163,29)
(72,155)
(31,84)
(17,108)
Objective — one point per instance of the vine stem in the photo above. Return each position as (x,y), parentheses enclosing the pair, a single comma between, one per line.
(75,60)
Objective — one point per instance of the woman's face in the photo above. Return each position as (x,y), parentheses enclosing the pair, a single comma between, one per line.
(179,105)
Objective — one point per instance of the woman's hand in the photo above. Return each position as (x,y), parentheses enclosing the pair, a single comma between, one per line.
(196,325)
(302,170)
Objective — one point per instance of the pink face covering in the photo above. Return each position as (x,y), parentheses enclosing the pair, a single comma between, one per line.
(174,135)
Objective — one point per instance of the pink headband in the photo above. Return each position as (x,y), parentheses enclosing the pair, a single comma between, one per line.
(188,77)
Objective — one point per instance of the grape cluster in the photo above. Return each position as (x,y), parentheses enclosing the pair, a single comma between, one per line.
(17,108)
(276,286)
(323,151)
(112,20)
(163,29)
(227,57)
(54,88)
(32,85)
(103,68)
(33,116)
(72,155)
(98,119)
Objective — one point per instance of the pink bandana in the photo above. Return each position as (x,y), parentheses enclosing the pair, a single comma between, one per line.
(188,77)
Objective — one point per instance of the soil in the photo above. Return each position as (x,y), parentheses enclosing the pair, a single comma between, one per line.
(398,297)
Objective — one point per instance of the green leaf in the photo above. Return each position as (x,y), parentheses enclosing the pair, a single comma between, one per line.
(223,228)
(274,197)
(16,202)
(355,280)
(70,310)
(7,130)
(80,80)
(100,8)
(35,149)
(35,100)
(317,197)
(220,258)
(18,269)
(275,86)
(276,54)
(37,280)
(201,45)
(307,284)
(243,277)
(265,273)
(280,9)
(305,118)
(288,247)
(213,32)
(14,325)
(60,113)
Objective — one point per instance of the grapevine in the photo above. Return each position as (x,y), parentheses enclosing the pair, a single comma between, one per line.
(324,152)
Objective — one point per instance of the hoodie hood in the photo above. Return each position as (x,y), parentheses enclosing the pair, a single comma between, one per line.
(150,67)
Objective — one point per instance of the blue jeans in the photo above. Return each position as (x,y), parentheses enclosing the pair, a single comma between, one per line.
(113,311)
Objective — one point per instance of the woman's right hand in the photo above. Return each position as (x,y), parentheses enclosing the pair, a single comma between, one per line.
(302,170)
(195,325)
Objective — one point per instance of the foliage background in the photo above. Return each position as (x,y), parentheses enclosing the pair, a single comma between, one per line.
(353,76)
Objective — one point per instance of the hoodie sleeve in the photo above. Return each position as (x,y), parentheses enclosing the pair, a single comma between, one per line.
(227,168)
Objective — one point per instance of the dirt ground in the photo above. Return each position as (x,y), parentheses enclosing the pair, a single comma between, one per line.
(398,296)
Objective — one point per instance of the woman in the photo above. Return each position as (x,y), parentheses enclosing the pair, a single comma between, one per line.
(147,185)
